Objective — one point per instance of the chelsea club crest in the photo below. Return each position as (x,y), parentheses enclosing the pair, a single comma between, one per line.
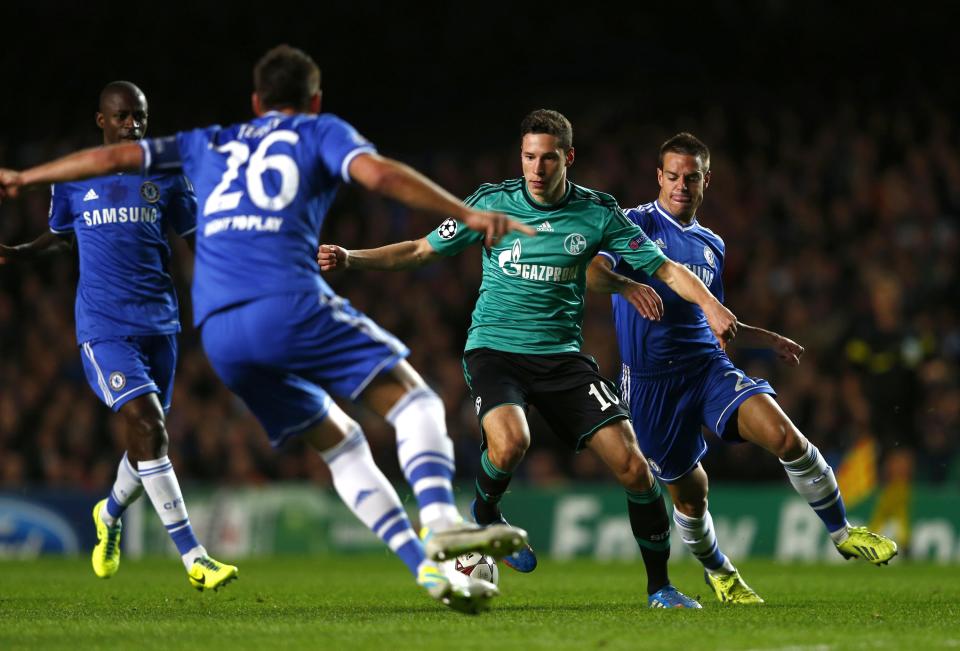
(150,192)
(117,380)
(709,257)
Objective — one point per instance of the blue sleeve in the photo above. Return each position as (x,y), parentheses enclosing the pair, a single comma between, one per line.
(339,143)
(60,218)
(182,207)
(161,155)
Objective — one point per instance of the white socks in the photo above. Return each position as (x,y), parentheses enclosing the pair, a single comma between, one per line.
(426,456)
(160,484)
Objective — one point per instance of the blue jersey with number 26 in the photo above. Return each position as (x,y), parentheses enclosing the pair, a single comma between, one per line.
(264,188)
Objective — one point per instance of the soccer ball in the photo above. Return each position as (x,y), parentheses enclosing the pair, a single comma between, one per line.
(479,567)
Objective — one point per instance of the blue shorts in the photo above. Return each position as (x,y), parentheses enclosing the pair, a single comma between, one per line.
(670,409)
(124,368)
(282,355)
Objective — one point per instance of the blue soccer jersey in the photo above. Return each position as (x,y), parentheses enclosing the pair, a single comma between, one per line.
(264,188)
(119,222)
(683,333)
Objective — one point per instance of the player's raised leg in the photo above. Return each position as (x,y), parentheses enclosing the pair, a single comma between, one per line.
(695,526)
(371,497)
(761,421)
(506,439)
(426,457)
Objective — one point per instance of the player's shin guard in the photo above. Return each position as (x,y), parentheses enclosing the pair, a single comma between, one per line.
(492,483)
(814,480)
(364,489)
(700,538)
(426,456)
(163,489)
(651,528)
(126,489)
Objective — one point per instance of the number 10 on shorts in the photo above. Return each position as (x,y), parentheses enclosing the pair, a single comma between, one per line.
(602,391)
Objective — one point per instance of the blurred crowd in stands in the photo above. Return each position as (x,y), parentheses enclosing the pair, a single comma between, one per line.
(841,226)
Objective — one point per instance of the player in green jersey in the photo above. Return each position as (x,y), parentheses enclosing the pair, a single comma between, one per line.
(523,347)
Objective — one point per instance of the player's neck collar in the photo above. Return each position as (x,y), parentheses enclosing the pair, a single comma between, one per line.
(547,206)
(673,220)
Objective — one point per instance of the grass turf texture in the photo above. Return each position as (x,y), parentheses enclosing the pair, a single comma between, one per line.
(365,602)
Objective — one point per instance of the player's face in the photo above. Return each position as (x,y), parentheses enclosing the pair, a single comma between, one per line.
(545,166)
(682,182)
(122,116)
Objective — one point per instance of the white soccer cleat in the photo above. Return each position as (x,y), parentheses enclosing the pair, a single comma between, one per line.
(496,540)
(454,589)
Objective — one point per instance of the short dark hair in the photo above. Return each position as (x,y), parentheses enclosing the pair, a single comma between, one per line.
(685,143)
(120,86)
(551,123)
(286,77)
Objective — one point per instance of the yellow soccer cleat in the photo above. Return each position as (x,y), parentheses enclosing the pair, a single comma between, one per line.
(863,543)
(732,589)
(106,553)
(209,574)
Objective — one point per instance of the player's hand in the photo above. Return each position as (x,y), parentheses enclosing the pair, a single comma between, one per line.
(722,321)
(645,299)
(331,257)
(10,182)
(787,350)
(493,225)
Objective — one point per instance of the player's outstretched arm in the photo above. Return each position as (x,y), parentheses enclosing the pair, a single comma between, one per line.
(124,157)
(47,243)
(787,350)
(392,257)
(681,280)
(602,279)
(404,184)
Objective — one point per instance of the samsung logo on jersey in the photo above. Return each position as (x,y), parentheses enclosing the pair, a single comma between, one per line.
(703,273)
(147,214)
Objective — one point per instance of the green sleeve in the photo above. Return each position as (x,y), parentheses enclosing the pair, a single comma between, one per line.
(627,239)
(452,236)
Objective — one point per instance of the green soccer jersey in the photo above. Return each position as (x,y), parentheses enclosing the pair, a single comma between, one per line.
(531,297)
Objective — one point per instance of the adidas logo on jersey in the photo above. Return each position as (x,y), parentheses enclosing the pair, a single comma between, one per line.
(659,242)
(545,227)
(90,195)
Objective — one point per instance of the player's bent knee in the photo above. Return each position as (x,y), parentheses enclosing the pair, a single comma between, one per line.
(633,472)
(148,438)
(691,507)
(786,442)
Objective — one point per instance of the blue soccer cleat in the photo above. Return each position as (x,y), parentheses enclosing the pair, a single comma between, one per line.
(523,560)
(670,597)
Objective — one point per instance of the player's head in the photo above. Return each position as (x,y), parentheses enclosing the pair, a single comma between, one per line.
(546,151)
(683,171)
(286,79)
(122,114)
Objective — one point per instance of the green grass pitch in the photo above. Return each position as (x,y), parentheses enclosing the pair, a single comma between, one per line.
(363,602)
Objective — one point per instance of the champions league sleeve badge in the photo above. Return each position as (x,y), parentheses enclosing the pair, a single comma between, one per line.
(447,229)
(150,192)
